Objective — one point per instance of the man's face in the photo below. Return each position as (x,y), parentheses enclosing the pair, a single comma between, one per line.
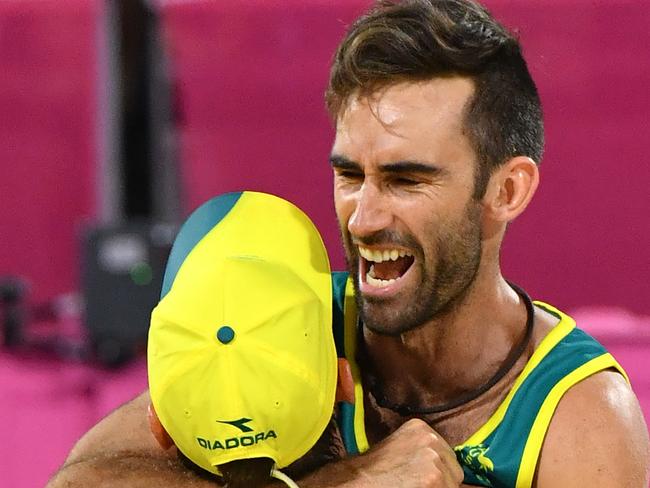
(403,184)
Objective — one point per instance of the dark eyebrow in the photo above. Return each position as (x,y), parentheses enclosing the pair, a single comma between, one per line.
(341,162)
(396,167)
(407,166)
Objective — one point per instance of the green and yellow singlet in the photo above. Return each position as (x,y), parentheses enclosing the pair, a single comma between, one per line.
(503,452)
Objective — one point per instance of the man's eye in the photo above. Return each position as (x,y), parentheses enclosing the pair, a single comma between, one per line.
(405,181)
(350,175)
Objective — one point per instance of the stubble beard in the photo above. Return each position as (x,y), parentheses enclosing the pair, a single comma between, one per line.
(442,286)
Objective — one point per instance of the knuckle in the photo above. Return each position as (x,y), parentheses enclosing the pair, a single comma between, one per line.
(423,439)
(414,424)
(429,457)
(433,455)
(433,478)
(418,427)
(426,439)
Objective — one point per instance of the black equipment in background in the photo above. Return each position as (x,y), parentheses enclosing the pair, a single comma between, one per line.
(122,273)
(12,291)
(30,328)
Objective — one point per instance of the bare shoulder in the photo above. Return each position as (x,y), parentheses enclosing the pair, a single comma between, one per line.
(121,451)
(597,437)
(124,430)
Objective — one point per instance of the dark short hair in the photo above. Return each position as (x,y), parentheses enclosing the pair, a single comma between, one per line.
(417,40)
(242,473)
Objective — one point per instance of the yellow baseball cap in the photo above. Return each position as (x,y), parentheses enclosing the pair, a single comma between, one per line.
(241,356)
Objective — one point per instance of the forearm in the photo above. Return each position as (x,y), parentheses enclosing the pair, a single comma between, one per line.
(344,473)
(347,474)
(120,451)
(129,470)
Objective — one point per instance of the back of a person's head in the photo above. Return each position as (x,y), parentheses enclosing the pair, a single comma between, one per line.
(242,473)
(241,341)
(418,40)
(247,473)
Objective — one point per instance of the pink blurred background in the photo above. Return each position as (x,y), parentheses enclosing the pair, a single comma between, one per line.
(248,78)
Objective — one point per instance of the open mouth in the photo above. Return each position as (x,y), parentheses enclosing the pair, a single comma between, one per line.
(381,268)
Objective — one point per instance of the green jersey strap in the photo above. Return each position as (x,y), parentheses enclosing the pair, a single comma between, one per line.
(505,450)
(350,416)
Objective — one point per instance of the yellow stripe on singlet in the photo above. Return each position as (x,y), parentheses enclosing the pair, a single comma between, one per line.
(537,434)
(350,340)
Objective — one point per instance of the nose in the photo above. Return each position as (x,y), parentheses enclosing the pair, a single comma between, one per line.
(371,213)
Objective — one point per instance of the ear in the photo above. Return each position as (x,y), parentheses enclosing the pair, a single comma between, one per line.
(510,189)
(158,431)
(345,383)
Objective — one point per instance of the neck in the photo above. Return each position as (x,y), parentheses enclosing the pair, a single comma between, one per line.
(429,365)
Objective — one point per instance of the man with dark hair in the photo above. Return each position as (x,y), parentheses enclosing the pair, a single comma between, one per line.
(459,378)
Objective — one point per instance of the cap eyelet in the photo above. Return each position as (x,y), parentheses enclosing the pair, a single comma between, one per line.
(225,334)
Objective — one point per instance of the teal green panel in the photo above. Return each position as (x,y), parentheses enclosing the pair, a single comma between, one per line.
(345,416)
(339,279)
(195,228)
(345,421)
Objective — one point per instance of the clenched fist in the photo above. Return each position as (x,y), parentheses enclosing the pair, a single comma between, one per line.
(414,456)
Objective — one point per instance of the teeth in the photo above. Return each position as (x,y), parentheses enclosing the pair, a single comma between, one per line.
(376,282)
(377,256)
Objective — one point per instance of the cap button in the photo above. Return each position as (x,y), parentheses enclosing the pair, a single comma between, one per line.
(225,334)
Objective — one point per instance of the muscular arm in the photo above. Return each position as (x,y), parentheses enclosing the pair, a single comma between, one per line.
(597,438)
(120,451)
